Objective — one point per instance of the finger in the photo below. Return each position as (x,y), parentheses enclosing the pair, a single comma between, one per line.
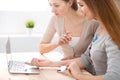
(40,60)
(68,33)
(63,40)
(66,38)
(67,58)
(69,71)
(64,59)
(28,63)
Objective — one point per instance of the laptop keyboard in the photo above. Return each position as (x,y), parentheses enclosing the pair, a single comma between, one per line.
(16,66)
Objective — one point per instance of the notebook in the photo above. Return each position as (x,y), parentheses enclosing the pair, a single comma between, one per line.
(18,67)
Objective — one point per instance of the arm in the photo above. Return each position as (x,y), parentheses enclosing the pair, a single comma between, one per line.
(48,63)
(113,61)
(79,74)
(45,43)
(76,68)
(46,47)
(88,31)
(113,65)
(64,39)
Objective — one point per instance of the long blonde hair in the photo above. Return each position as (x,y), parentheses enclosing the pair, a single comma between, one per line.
(109,14)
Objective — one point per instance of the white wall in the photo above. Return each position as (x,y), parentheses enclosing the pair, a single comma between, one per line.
(3,40)
(13,14)
(24,5)
(13,22)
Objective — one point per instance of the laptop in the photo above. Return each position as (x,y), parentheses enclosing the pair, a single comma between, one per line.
(18,67)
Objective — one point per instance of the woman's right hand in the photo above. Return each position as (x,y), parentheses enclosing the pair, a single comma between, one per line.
(39,63)
(64,39)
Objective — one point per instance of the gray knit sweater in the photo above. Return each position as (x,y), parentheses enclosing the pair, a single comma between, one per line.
(105,57)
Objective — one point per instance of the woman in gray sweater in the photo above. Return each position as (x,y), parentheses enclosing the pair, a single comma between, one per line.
(104,54)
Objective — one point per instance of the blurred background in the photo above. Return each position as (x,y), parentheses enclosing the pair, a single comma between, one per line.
(13,15)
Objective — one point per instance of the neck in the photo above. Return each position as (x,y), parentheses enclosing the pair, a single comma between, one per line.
(72,15)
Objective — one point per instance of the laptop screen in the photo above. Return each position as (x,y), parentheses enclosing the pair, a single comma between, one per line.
(8,51)
(18,66)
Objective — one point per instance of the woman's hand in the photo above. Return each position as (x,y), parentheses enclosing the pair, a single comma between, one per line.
(64,39)
(39,63)
(75,71)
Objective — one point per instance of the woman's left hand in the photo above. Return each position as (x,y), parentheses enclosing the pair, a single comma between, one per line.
(75,71)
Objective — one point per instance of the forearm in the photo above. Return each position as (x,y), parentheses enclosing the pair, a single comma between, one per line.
(66,62)
(61,63)
(44,48)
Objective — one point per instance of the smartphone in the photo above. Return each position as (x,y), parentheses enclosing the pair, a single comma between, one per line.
(62,69)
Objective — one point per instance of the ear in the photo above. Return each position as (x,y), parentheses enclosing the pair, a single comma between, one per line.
(71,2)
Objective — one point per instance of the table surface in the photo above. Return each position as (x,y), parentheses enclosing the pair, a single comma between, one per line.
(49,73)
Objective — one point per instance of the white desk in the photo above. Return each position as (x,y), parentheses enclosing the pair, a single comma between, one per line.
(45,74)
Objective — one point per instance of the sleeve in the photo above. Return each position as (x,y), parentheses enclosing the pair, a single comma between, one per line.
(113,61)
(89,29)
(87,62)
(50,31)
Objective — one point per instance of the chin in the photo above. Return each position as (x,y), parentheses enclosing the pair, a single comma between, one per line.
(58,16)
(89,18)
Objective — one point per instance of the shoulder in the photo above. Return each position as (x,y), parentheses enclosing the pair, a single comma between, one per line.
(110,43)
(111,46)
(91,25)
(55,18)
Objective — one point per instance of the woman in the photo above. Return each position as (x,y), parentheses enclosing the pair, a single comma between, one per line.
(75,33)
(105,50)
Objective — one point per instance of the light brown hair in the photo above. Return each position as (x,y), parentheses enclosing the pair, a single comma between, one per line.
(109,14)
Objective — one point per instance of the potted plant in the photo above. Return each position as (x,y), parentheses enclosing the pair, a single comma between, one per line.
(30,25)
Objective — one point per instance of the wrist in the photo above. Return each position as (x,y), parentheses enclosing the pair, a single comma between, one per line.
(57,44)
(77,75)
(55,64)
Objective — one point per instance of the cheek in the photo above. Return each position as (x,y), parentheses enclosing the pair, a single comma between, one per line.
(90,15)
(63,10)
(87,13)
(83,10)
